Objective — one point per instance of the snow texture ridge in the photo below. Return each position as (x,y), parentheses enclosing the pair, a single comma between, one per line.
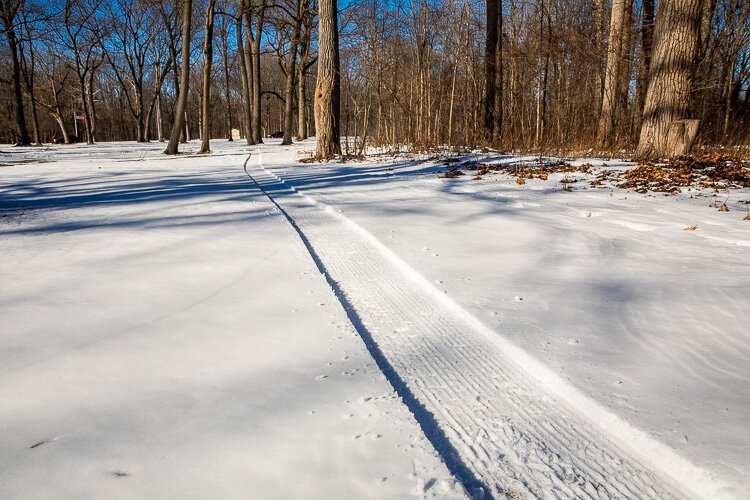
(503,422)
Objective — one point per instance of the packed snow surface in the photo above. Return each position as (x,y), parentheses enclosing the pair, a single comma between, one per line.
(242,325)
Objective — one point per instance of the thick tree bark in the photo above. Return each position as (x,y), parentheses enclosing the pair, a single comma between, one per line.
(328,87)
(208,57)
(179,121)
(676,44)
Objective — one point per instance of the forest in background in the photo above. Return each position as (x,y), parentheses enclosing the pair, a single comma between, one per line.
(548,75)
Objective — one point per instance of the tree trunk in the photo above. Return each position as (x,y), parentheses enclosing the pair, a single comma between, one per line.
(328,87)
(15,70)
(208,57)
(257,90)
(490,62)
(301,103)
(606,129)
(497,126)
(302,76)
(493,72)
(225,58)
(246,85)
(159,129)
(647,34)
(251,75)
(90,97)
(29,71)
(676,37)
(291,70)
(179,120)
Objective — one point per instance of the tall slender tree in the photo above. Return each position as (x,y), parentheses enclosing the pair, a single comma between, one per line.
(179,120)
(291,72)
(208,58)
(493,72)
(8,13)
(612,74)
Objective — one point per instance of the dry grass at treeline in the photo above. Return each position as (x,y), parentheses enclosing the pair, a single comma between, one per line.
(710,171)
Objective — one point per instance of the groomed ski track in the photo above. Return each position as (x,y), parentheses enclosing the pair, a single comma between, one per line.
(504,424)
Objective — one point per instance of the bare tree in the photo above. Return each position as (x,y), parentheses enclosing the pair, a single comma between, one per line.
(9,10)
(303,67)
(493,57)
(290,68)
(132,51)
(253,50)
(619,24)
(80,32)
(224,29)
(179,121)
(208,56)
(328,87)
(246,75)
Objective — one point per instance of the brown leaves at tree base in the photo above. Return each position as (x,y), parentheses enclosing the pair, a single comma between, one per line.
(713,171)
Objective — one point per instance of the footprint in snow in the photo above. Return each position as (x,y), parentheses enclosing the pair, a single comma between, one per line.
(321,377)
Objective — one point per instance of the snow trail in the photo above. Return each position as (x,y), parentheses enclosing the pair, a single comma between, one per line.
(500,420)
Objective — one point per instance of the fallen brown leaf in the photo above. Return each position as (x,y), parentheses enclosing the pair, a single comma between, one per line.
(690,228)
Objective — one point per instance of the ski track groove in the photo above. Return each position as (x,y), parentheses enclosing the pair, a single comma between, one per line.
(515,437)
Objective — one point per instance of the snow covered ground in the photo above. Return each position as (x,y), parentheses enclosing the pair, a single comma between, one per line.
(164,334)
(165,330)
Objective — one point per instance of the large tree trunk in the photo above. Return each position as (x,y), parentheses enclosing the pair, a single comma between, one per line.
(328,88)
(208,56)
(179,119)
(676,40)
(612,77)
